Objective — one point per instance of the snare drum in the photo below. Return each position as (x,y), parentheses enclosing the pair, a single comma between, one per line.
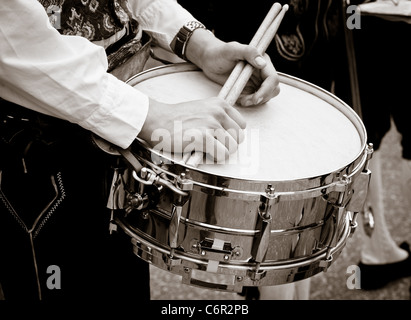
(279,210)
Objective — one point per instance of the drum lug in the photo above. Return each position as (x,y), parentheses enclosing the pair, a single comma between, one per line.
(183,183)
(174,226)
(360,186)
(338,218)
(369,151)
(262,239)
(342,186)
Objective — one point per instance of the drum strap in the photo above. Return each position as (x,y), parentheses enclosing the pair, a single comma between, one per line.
(131,159)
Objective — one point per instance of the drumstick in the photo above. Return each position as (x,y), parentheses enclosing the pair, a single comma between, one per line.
(275,9)
(248,68)
(242,71)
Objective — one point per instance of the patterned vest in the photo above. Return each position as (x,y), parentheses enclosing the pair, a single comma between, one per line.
(94,20)
(108,23)
(306,24)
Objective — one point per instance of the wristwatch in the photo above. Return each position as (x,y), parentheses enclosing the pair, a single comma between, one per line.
(182,37)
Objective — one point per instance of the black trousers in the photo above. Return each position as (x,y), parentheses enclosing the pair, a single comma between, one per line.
(384,67)
(54,224)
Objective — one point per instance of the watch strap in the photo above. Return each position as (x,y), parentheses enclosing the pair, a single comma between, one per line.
(182,37)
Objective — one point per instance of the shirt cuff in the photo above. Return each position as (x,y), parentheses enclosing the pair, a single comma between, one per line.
(163,19)
(121,116)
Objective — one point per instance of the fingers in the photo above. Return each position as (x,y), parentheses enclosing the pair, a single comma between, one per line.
(267,83)
(217,133)
(265,78)
(234,124)
(226,138)
(236,117)
(217,144)
(268,89)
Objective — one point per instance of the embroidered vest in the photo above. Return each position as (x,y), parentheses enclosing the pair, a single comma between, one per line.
(108,23)
(94,20)
(307,22)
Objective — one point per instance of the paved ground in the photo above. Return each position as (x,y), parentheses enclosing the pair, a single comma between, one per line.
(332,284)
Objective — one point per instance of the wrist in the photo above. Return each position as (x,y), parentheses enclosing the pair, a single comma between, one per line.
(182,42)
(201,42)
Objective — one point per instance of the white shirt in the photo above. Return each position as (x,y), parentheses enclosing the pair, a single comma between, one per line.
(65,76)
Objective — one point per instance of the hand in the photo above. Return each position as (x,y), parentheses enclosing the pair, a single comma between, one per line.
(210,125)
(217,59)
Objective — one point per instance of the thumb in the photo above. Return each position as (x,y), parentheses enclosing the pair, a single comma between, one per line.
(245,52)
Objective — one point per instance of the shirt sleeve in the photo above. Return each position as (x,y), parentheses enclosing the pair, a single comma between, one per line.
(162,19)
(64,76)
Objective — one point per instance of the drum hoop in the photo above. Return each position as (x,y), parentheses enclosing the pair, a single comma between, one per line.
(328,184)
(201,178)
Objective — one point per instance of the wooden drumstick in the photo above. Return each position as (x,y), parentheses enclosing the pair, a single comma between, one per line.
(242,71)
(262,46)
(275,9)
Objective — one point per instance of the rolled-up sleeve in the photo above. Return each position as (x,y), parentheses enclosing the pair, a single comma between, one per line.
(64,76)
(160,18)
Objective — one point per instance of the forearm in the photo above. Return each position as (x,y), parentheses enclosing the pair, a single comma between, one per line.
(64,76)
(164,18)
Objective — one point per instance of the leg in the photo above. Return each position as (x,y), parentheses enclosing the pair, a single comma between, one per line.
(382,261)
(406,179)
(280,292)
(299,290)
(379,247)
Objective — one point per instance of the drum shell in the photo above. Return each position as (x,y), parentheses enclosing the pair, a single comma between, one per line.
(299,228)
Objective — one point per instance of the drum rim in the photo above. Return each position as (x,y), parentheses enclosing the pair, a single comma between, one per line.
(203,177)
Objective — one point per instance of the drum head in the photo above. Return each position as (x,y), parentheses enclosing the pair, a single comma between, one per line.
(303,132)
